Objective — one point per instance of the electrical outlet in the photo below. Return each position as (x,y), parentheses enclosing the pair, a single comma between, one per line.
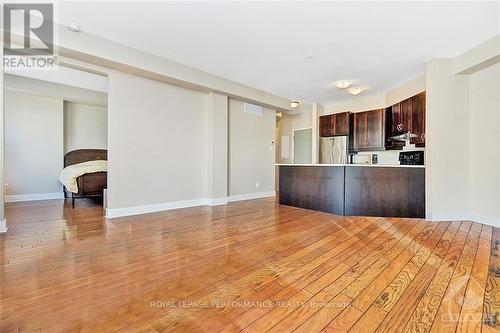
(7,186)
(257,185)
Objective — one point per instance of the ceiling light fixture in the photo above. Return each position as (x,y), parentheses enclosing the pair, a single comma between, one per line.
(354,90)
(74,27)
(294,104)
(343,84)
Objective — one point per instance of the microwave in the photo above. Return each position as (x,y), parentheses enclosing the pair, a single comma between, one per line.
(364,159)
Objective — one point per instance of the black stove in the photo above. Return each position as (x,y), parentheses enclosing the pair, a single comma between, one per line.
(411,157)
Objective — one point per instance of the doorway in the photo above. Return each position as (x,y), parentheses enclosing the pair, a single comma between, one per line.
(302,146)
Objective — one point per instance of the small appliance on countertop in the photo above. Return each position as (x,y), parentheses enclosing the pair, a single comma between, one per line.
(411,157)
(364,159)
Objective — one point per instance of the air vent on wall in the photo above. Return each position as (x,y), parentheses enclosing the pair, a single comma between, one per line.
(253,109)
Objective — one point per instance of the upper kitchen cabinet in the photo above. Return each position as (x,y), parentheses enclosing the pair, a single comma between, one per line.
(418,119)
(369,130)
(326,125)
(406,116)
(334,124)
(341,122)
(400,117)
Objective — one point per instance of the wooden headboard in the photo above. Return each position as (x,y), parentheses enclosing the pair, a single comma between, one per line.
(84,155)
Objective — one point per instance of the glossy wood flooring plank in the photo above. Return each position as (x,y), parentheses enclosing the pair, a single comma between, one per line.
(491,320)
(344,321)
(426,310)
(368,295)
(254,278)
(65,270)
(392,293)
(302,313)
(448,314)
(471,314)
(360,276)
(399,315)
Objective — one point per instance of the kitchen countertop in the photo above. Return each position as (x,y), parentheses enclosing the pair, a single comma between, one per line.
(355,165)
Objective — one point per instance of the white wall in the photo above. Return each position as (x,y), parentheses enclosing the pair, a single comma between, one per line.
(302,117)
(463,136)
(447,141)
(484,144)
(33,144)
(217,145)
(371,102)
(157,143)
(251,152)
(357,104)
(85,127)
(55,90)
(284,128)
(3,223)
(364,103)
(407,89)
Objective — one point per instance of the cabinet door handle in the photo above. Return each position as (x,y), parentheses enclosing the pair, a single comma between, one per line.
(422,136)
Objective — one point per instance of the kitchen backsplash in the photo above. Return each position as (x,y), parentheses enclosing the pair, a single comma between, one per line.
(390,157)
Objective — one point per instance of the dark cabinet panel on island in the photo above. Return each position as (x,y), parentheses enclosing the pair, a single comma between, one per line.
(385,191)
(317,188)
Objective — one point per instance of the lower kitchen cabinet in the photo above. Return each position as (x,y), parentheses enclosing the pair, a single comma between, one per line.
(316,188)
(385,191)
(354,190)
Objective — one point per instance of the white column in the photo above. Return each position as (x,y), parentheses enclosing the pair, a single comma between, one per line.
(317,111)
(3,225)
(217,158)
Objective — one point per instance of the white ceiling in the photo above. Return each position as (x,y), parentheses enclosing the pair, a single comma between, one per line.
(265,44)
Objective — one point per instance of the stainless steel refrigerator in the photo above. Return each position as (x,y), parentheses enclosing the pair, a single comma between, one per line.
(333,150)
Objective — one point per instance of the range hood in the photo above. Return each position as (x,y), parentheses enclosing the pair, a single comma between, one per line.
(403,137)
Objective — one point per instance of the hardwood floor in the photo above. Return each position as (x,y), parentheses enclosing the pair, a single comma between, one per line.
(252,266)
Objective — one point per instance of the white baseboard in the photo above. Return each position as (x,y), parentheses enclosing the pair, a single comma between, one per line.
(465,217)
(34,197)
(136,210)
(3,226)
(250,196)
(216,201)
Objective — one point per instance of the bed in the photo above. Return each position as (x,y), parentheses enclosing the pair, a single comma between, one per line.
(88,184)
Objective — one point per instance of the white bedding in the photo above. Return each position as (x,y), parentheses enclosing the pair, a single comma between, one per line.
(70,173)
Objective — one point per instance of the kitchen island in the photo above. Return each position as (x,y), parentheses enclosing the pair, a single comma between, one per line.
(354,189)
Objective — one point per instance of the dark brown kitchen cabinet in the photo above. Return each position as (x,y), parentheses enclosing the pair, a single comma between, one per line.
(341,122)
(401,117)
(406,116)
(369,130)
(326,125)
(418,120)
(334,124)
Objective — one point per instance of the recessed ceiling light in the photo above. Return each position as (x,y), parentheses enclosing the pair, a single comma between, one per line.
(294,104)
(74,27)
(354,90)
(343,84)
